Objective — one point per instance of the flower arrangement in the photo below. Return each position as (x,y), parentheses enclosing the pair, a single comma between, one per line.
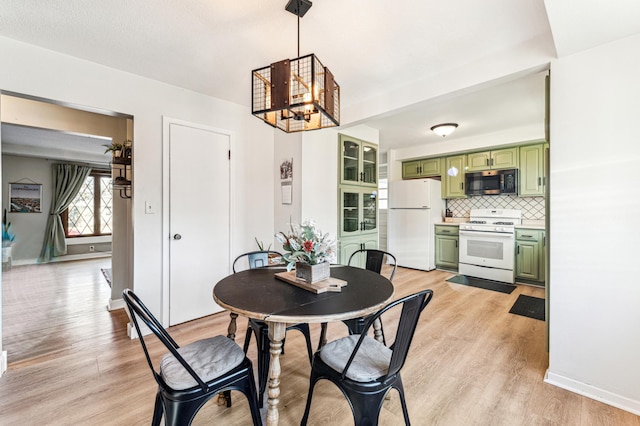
(306,244)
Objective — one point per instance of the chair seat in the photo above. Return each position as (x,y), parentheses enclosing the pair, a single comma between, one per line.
(209,358)
(370,363)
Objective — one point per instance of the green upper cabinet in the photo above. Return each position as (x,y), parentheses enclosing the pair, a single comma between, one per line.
(493,160)
(421,168)
(358,162)
(532,178)
(453,176)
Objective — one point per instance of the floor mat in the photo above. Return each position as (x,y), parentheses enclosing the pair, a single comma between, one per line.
(107,275)
(482,283)
(529,306)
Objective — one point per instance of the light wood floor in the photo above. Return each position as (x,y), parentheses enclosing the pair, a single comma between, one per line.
(471,362)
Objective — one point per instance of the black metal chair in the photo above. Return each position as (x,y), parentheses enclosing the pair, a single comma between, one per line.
(258,259)
(191,375)
(374,261)
(365,369)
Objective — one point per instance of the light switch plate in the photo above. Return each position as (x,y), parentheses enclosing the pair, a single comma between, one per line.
(148,208)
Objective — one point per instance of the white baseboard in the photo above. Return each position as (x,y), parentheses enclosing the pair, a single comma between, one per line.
(132,332)
(22,262)
(3,362)
(115,304)
(65,258)
(94,255)
(610,398)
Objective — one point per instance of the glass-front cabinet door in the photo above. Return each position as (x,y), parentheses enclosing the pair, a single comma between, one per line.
(358,211)
(369,164)
(350,161)
(369,211)
(350,212)
(358,162)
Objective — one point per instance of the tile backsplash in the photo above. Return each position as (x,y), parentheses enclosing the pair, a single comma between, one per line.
(532,207)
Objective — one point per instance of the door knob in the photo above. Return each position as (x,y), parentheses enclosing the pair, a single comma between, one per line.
(177,237)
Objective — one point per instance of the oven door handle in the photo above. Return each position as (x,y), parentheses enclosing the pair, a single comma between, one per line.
(487,234)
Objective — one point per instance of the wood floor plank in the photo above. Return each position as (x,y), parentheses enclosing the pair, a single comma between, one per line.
(471,362)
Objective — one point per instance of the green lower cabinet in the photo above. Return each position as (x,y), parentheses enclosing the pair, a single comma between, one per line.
(446,247)
(350,245)
(530,256)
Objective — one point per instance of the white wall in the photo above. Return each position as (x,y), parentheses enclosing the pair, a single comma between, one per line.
(287,146)
(47,74)
(28,227)
(594,205)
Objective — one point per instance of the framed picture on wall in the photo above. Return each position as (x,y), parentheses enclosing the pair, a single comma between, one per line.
(25,198)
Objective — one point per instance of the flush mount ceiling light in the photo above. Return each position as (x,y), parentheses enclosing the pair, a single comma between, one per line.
(444,129)
(299,94)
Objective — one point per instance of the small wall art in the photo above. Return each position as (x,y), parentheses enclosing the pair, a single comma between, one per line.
(25,197)
(286,181)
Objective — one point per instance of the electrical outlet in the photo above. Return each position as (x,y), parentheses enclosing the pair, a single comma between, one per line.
(92,248)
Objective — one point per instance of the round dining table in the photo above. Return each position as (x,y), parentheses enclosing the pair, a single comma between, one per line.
(258,294)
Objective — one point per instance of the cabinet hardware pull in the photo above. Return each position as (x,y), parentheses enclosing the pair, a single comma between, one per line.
(527,236)
(539,181)
(486,161)
(492,162)
(518,251)
(456,243)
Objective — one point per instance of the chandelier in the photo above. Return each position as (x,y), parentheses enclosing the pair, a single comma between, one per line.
(299,94)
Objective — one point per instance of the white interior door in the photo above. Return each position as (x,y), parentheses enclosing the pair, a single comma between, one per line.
(199,218)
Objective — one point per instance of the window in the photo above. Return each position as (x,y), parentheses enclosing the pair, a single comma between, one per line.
(383,194)
(91,212)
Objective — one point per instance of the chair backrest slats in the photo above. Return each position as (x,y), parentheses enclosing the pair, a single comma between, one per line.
(137,309)
(375,260)
(412,307)
(255,259)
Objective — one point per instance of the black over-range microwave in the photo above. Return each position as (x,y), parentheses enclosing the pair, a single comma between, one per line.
(492,182)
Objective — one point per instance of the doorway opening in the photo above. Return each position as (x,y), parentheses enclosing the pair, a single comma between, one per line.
(37,135)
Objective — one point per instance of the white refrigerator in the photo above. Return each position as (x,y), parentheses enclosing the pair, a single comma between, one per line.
(414,207)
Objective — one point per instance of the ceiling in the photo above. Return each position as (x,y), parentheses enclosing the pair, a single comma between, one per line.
(374,48)
(54,144)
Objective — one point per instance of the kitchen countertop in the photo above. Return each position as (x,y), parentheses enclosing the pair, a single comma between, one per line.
(532,224)
(526,224)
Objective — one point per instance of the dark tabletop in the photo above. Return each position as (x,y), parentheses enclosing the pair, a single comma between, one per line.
(256,293)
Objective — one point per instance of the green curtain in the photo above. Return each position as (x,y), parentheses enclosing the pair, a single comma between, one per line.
(67,181)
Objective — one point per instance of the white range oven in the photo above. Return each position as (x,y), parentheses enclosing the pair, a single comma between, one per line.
(487,244)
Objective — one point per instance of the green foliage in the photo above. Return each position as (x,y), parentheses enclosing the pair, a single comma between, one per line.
(261,245)
(7,235)
(304,243)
